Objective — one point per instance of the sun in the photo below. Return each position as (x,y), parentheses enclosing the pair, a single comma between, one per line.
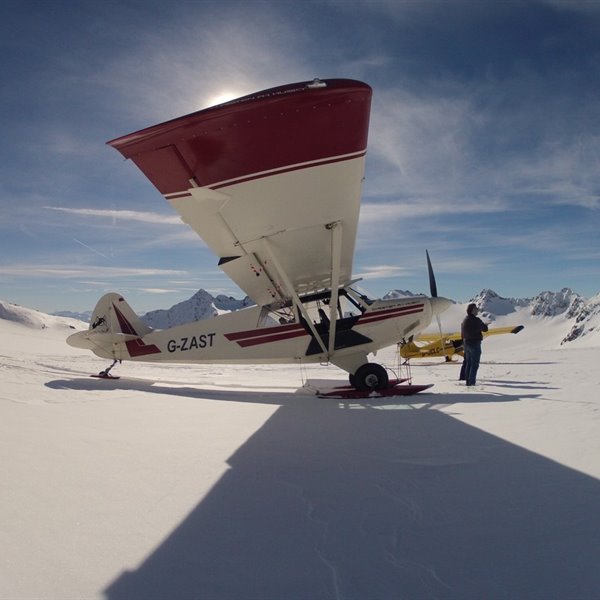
(222,97)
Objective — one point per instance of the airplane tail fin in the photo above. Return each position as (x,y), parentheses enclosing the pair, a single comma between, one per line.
(113,315)
(115,331)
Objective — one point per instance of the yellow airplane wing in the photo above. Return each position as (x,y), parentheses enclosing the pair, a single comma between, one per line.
(435,337)
(428,345)
(498,330)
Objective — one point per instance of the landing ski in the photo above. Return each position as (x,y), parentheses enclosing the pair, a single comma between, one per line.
(396,387)
(103,375)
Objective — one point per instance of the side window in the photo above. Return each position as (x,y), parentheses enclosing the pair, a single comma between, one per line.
(272,318)
(348,308)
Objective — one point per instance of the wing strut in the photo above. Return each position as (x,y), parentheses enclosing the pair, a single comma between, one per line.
(292,292)
(336,258)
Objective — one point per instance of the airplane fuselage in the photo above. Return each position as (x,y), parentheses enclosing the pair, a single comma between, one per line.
(253,335)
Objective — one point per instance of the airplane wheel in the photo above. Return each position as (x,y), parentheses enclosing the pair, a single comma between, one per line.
(370,376)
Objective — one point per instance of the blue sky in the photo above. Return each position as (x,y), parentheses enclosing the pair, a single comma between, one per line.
(484,144)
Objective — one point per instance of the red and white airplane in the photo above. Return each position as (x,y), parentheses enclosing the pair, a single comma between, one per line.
(272,183)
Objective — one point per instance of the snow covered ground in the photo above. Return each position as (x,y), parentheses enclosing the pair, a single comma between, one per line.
(221,482)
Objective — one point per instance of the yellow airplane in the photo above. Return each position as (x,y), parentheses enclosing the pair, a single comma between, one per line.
(448,345)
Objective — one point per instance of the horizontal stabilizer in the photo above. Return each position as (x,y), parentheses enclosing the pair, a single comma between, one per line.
(114,337)
(92,339)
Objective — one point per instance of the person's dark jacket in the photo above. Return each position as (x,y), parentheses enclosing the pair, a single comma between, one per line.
(471,329)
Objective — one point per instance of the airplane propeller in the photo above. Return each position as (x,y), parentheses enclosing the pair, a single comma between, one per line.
(434,294)
(432,283)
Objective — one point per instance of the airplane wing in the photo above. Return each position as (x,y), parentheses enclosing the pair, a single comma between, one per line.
(434,337)
(271,182)
(499,330)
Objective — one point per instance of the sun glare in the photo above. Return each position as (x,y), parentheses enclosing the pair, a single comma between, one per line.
(222,97)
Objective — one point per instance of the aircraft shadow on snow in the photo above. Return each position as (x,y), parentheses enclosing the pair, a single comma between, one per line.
(265,396)
(333,500)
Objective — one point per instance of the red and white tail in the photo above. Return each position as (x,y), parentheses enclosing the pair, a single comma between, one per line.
(113,315)
(115,330)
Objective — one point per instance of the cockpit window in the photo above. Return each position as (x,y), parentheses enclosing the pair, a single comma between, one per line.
(270,317)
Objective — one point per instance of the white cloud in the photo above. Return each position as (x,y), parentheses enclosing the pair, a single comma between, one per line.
(563,171)
(68,145)
(422,141)
(84,271)
(158,291)
(462,154)
(382,272)
(375,213)
(121,215)
(179,69)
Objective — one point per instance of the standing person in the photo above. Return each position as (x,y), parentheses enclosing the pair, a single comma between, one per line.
(471,330)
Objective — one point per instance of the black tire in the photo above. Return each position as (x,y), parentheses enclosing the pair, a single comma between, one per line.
(370,376)
(351,379)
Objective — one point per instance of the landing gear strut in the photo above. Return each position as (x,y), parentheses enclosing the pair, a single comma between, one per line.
(106,373)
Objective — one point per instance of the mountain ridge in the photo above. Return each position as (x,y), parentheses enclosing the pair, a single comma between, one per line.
(581,315)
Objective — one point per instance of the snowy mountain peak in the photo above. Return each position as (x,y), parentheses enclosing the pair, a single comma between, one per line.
(582,314)
(551,304)
(229,303)
(399,294)
(492,305)
(84,316)
(586,315)
(579,316)
(34,319)
(202,305)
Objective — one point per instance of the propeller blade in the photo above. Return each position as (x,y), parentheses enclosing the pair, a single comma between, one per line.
(434,294)
(432,284)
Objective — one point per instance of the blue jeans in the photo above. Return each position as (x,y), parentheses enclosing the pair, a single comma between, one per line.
(471,362)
